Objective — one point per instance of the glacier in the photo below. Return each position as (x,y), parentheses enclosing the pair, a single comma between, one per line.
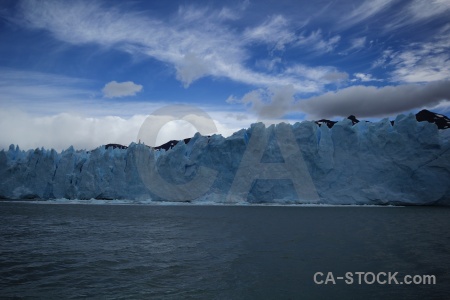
(405,163)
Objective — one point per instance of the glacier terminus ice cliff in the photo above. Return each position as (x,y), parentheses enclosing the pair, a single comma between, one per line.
(404,162)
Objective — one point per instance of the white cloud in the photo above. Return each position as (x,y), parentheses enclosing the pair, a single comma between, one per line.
(42,92)
(276,30)
(364,77)
(419,62)
(232,100)
(115,89)
(364,11)
(335,77)
(357,44)
(419,11)
(319,75)
(269,103)
(382,61)
(276,100)
(317,42)
(197,42)
(410,66)
(191,68)
(228,14)
(237,116)
(190,31)
(423,9)
(63,130)
(269,64)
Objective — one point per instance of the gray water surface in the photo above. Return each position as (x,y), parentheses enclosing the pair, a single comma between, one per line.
(59,251)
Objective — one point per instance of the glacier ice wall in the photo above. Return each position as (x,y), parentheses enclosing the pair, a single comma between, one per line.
(365,163)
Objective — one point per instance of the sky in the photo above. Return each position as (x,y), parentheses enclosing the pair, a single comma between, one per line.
(87,73)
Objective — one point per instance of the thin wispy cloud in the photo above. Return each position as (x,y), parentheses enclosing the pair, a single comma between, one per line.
(195,42)
(275,31)
(43,91)
(418,11)
(423,9)
(364,11)
(356,44)
(323,75)
(317,42)
(419,62)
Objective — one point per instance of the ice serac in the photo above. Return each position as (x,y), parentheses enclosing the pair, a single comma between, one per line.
(407,163)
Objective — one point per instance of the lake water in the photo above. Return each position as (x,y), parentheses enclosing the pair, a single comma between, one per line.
(61,251)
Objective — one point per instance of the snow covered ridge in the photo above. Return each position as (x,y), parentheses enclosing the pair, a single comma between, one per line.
(407,163)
